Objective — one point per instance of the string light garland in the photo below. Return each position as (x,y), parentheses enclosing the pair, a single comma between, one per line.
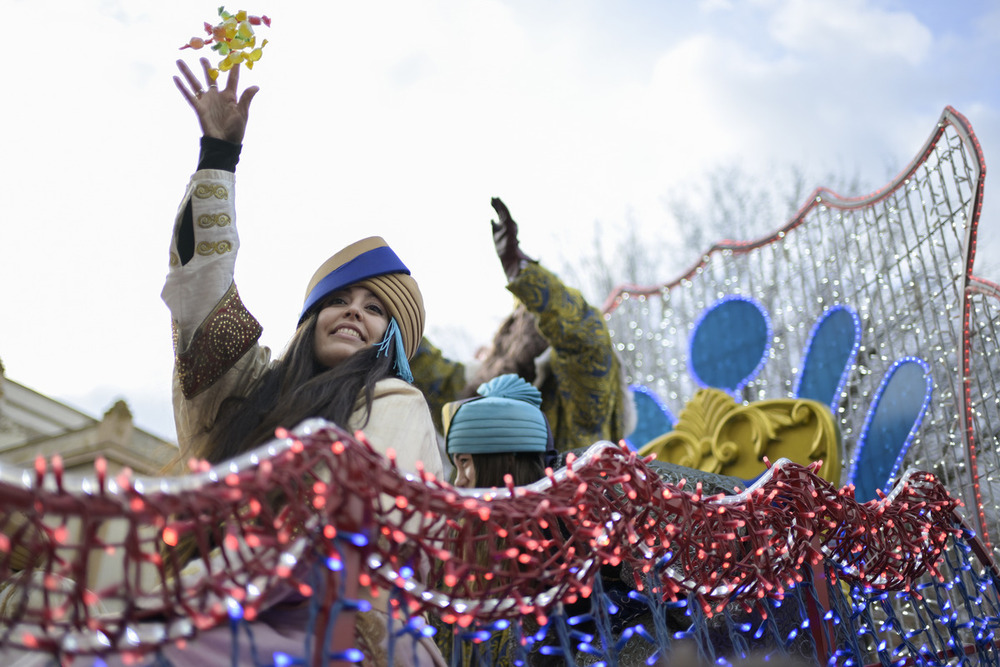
(545,545)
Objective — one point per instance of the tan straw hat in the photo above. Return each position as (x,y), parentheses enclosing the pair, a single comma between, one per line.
(371,263)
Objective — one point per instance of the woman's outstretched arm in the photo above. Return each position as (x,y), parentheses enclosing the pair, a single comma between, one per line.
(215,336)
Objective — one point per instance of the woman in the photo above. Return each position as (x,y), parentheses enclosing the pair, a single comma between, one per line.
(501,432)
(361,319)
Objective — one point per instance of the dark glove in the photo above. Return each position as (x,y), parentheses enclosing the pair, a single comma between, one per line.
(505,240)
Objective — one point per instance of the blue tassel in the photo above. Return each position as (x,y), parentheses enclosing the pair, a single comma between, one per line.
(394,337)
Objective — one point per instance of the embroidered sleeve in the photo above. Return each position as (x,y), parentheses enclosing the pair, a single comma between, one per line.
(205,236)
(220,341)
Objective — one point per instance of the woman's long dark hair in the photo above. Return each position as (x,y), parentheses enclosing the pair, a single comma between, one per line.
(294,388)
(524,467)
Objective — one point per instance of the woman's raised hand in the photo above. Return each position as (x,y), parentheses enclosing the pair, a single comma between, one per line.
(221,114)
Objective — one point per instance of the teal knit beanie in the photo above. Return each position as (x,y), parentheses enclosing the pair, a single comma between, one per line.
(506,418)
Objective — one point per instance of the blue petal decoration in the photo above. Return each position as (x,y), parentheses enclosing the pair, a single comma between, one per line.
(730,344)
(653,419)
(891,423)
(833,344)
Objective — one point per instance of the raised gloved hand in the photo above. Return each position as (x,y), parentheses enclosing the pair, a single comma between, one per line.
(505,240)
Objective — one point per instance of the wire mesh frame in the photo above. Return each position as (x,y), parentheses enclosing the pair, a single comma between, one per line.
(983,401)
(902,257)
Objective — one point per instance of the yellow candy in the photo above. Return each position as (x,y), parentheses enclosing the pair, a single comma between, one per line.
(233,39)
(234,58)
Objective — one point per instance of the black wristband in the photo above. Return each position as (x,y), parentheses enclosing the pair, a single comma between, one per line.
(219,154)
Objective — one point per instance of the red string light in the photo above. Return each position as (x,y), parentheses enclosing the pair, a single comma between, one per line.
(470,556)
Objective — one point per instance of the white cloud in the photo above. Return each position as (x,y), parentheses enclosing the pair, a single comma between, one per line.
(715,5)
(850,29)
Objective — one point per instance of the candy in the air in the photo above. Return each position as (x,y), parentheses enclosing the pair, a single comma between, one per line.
(233,39)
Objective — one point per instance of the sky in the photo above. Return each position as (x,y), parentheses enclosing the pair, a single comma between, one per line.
(402,118)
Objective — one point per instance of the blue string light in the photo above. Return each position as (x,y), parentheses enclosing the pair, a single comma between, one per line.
(234,608)
(359,540)
(350,655)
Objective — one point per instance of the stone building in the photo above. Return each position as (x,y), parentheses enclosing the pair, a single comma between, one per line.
(33,425)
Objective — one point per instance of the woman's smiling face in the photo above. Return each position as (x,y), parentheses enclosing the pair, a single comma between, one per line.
(350,320)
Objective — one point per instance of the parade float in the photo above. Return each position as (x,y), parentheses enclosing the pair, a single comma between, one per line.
(841,371)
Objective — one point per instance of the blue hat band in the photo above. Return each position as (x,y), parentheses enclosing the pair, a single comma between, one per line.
(374,262)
